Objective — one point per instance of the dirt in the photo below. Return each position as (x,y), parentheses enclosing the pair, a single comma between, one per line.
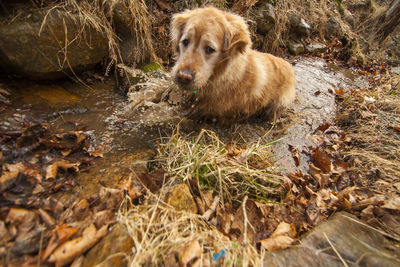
(122,138)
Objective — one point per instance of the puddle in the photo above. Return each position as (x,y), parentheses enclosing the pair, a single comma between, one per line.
(109,119)
(99,111)
(314,106)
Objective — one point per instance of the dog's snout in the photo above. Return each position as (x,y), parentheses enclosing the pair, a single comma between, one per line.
(185,77)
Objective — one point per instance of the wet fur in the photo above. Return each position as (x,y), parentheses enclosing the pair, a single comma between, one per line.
(235,82)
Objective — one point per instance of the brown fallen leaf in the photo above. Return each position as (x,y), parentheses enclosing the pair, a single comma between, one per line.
(51,246)
(339,91)
(392,203)
(47,218)
(321,160)
(7,179)
(281,238)
(24,220)
(52,170)
(70,250)
(64,232)
(191,253)
(276,242)
(20,166)
(295,155)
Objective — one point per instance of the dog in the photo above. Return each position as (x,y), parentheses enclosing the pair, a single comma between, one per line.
(228,79)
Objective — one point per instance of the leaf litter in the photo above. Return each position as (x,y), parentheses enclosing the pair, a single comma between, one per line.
(244,204)
(36,163)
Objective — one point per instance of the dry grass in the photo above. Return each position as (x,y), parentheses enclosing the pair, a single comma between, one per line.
(98,14)
(161,235)
(372,120)
(231,171)
(314,12)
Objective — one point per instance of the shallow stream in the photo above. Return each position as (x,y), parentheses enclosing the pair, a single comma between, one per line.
(103,113)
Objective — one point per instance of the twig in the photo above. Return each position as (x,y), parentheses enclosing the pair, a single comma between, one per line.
(337,252)
(245,221)
(372,228)
(206,216)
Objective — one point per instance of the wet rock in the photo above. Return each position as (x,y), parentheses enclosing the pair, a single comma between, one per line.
(316,49)
(348,17)
(295,48)
(37,52)
(180,198)
(265,17)
(396,70)
(112,250)
(300,27)
(343,234)
(123,22)
(314,106)
(333,28)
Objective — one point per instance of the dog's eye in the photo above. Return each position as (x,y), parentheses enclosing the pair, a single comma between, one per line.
(185,42)
(209,50)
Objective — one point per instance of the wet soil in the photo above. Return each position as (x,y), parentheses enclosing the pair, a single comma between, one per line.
(126,137)
(97,109)
(318,83)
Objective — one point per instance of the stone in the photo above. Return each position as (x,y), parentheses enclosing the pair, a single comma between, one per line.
(129,39)
(265,18)
(303,28)
(316,49)
(180,198)
(113,250)
(396,70)
(295,48)
(38,50)
(333,28)
(343,234)
(299,27)
(348,17)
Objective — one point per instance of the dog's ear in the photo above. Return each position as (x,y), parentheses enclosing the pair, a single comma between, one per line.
(177,25)
(237,37)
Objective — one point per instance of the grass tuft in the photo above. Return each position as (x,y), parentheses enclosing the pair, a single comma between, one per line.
(230,171)
(161,234)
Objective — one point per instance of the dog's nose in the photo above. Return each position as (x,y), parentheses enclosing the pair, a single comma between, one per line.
(185,77)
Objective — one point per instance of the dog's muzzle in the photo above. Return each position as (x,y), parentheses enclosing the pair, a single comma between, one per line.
(184,77)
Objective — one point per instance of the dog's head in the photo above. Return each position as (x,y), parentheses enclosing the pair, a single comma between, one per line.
(203,40)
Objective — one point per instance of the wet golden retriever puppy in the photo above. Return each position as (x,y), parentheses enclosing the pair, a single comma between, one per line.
(228,79)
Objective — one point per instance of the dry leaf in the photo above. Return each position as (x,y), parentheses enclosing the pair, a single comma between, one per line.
(24,220)
(392,203)
(52,170)
(276,242)
(322,160)
(46,218)
(7,179)
(64,232)
(295,155)
(51,246)
(70,250)
(191,253)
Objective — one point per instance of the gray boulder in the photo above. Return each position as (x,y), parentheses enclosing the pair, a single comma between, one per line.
(342,239)
(295,48)
(299,27)
(49,47)
(265,18)
(316,49)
